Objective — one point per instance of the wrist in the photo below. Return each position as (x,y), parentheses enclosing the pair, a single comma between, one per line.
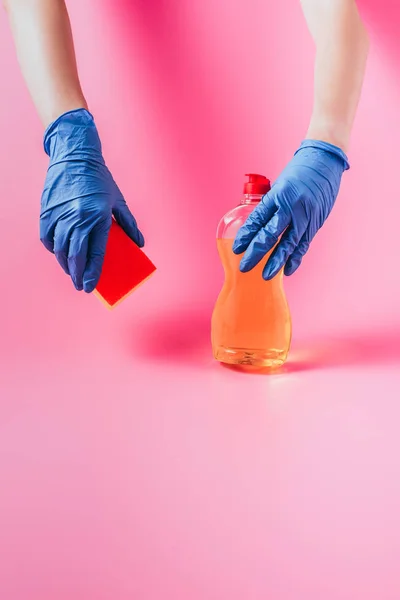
(62,108)
(329,130)
(327,148)
(73,135)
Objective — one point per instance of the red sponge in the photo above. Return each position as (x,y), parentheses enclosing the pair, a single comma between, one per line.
(125,267)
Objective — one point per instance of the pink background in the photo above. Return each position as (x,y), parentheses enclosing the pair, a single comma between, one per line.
(131,464)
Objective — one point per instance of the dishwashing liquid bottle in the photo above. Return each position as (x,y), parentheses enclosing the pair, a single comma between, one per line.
(251,322)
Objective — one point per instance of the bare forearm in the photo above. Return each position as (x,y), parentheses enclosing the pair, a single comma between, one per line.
(341,54)
(45,49)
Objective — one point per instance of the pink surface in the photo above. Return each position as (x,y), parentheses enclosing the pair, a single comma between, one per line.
(132,465)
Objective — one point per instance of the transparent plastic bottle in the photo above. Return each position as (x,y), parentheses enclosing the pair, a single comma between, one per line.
(251,322)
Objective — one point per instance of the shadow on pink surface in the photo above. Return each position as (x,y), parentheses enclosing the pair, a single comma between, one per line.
(375,348)
(184,337)
(180,336)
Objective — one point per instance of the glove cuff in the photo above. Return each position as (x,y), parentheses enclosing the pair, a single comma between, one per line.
(327,148)
(73,136)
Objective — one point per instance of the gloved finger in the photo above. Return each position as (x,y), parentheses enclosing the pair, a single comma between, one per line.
(264,240)
(296,257)
(283,250)
(260,216)
(61,244)
(77,256)
(127,221)
(96,250)
(47,233)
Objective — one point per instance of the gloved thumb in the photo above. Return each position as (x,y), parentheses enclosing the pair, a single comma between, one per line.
(127,221)
(96,251)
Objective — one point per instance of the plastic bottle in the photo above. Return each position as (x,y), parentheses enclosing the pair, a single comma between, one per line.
(251,322)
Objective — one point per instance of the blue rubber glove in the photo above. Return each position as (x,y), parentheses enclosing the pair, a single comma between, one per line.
(295,208)
(79,198)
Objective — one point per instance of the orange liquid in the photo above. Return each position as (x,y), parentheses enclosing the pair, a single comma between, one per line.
(251,321)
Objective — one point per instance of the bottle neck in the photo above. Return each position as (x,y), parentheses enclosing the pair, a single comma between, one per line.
(251,198)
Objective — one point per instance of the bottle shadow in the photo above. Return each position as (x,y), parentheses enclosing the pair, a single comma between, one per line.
(358,349)
(184,337)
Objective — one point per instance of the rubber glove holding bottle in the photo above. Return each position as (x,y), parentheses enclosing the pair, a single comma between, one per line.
(292,212)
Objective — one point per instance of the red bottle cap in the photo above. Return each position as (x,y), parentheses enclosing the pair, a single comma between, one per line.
(257,184)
